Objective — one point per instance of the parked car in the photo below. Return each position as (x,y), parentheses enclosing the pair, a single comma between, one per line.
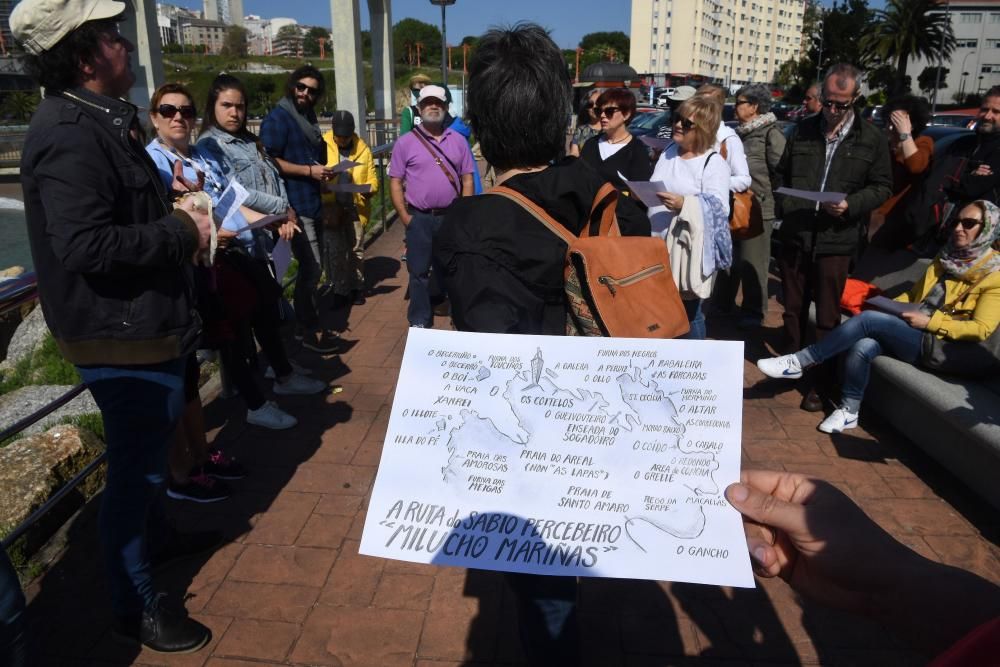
(955,118)
(662,98)
(648,122)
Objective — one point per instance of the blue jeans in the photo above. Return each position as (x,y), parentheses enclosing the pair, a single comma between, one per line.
(306,247)
(13,644)
(696,318)
(423,284)
(866,336)
(141,406)
(546,618)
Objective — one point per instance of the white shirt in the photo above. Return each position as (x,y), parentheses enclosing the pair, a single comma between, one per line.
(688,177)
(736,158)
(609,149)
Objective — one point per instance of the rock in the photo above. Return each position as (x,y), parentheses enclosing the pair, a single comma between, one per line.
(24,401)
(28,338)
(35,467)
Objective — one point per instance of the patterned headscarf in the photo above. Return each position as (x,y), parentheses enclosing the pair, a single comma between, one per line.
(973,263)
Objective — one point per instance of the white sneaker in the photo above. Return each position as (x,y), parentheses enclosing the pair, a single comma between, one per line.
(785,367)
(271,416)
(839,420)
(299,385)
(296,368)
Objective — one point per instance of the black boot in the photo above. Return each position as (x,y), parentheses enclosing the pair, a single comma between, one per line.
(162,629)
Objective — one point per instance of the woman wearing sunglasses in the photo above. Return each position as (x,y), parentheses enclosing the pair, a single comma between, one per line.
(958,299)
(695,203)
(587,124)
(614,151)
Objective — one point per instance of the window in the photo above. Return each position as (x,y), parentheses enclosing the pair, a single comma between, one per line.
(993,43)
(987,69)
(966,43)
(970,17)
(994,17)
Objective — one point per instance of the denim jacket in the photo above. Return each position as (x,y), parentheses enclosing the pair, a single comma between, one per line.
(240,160)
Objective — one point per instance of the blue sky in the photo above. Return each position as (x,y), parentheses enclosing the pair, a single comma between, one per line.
(568,21)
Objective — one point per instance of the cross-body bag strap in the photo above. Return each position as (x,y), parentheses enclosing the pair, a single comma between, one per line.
(703,168)
(437,154)
(537,211)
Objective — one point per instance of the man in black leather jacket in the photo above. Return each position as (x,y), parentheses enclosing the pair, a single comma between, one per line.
(114,266)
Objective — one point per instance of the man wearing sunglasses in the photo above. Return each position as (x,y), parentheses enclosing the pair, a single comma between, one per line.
(832,151)
(291,135)
(115,275)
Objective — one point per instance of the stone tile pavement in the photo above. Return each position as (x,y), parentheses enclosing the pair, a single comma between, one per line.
(289,588)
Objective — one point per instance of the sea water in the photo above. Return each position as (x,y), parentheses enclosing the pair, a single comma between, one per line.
(14,249)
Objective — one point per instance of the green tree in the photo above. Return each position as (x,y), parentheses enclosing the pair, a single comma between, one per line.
(310,43)
(289,39)
(928,79)
(20,104)
(235,43)
(408,33)
(614,44)
(907,29)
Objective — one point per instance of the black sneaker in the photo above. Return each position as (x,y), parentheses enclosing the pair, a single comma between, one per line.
(199,488)
(323,343)
(163,630)
(220,466)
(358,297)
(179,546)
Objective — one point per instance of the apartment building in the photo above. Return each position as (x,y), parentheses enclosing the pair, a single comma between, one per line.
(728,41)
(974,66)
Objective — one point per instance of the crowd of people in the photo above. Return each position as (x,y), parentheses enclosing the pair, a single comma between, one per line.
(120,227)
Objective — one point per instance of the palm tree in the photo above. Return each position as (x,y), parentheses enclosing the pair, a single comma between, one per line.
(906,29)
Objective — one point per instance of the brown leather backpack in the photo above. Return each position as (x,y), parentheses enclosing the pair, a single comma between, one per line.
(617,286)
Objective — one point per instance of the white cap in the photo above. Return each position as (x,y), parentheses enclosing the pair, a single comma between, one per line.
(40,24)
(682,93)
(436,92)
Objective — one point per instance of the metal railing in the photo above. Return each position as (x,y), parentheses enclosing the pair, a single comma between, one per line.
(24,289)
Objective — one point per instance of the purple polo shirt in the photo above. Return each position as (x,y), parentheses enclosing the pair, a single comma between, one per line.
(426,185)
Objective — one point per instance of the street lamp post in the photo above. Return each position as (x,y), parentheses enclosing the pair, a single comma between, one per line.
(961,88)
(937,75)
(444,40)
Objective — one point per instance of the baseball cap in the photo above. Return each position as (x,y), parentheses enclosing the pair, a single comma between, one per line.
(682,93)
(40,24)
(343,124)
(436,92)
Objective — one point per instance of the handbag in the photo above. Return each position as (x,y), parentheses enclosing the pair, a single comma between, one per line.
(746,218)
(616,286)
(961,357)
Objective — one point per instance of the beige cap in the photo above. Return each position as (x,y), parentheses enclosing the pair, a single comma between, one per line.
(682,93)
(436,92)
(39,24)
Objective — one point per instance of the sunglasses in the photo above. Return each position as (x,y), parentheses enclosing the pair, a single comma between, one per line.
(607,112)
(839,106)
(169,111)
(967,223)
(739,102)
(303,88)
(685,123)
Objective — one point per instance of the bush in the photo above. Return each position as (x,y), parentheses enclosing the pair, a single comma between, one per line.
(45,366)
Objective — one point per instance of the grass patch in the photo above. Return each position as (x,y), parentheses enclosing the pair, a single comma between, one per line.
(45,366)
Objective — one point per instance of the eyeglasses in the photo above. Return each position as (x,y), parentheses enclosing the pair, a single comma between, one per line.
(303,88)
(739,102)
(607,112)
(169,111)
(685,123)
(967,223)
(839,106)
(588,105)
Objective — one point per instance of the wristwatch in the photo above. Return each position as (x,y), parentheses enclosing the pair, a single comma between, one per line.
(903,136)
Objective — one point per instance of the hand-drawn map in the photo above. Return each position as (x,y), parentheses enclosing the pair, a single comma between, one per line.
(600,457)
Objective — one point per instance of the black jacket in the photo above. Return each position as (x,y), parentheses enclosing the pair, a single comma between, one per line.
(113,262)
(970,187)
(632,160)
(502,267)
(860,167)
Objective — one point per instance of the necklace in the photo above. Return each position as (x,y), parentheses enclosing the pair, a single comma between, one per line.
(619,141)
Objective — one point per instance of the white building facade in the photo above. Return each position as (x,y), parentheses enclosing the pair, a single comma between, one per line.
(732,42)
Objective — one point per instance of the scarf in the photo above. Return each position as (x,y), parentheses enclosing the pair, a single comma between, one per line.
(974,262)
(743,129)
(310,129)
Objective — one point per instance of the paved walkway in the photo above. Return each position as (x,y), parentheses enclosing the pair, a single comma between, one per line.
(290,587)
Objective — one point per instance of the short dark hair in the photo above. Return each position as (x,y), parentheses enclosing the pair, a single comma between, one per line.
(519,97)
(915,107)
(618,97)
(992,92)
(757,94)
(841,72)
(59,67)
(303,72)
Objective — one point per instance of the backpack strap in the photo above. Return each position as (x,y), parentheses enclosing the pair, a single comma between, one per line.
(605,202)
(534,209)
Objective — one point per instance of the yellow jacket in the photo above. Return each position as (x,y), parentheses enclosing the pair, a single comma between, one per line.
(361,174)
(972,313)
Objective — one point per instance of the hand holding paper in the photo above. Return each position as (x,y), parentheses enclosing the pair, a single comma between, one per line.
(645,191)
(811,195)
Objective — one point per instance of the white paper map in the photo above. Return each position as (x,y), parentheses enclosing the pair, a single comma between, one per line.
(599,457)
